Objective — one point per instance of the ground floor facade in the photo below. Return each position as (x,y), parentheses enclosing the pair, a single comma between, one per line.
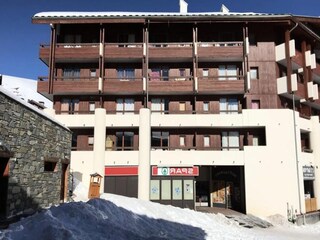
(280,176)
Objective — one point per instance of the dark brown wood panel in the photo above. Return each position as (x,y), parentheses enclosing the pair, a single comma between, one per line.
(170,86)
(115,52)
(220,87)
(65,87)
(122,87)
(170,52)
(218,53)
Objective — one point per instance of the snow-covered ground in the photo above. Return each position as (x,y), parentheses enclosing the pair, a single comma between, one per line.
(120,218)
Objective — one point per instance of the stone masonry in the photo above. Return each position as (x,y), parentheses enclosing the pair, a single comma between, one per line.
(34,139)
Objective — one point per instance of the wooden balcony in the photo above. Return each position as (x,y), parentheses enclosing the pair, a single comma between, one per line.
(170,51)
(220,51)
(123,51)
(122,86)
(78,85)
(66,52)
(215,86)
(177,85)
(301,93)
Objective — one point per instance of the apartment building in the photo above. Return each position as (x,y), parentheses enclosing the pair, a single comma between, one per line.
(214,109)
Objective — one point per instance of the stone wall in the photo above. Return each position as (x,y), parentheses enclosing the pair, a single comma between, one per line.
(34,139)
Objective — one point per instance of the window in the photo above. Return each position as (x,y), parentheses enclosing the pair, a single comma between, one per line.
(206,141)
(92,106)
(93,73)
(206,106)
(159,74)
(254,73)
(50,166)
(124,141)
(125,106)
(230,140)
(228,106)
(182,106)
(182,141)
(70,74)
(125,74)
(72,38)
(90,141)
(159,106)
(227,72)
(205,72)
(160,139)
(255,104)
(69,106)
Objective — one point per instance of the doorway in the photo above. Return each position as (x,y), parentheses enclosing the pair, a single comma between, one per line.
(4,177)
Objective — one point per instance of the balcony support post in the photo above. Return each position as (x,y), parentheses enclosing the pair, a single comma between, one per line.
(52,58)
(288,59)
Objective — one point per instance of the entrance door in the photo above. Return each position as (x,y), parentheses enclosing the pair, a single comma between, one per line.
(64,182)
(4,177)
(221,196)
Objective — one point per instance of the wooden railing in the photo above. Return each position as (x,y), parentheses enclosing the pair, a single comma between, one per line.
(220,44)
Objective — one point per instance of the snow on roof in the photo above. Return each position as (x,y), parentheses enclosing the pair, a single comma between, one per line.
(143,14)
(29,106)
(24,88)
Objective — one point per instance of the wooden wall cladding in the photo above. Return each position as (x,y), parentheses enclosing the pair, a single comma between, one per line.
(170,87)
(220,87)
(233,53)
(170,52)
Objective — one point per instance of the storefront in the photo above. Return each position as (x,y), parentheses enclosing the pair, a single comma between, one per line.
(173,185)
(221,186)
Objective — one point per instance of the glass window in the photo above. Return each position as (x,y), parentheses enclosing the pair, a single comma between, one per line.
(71,74)
(93,73)
(206,141)
(227,72)
(205,106)
(124,140)
(182,106)
(230,140)
(176,189)
(182,140)
(92,106)
(205,72)
(90,140)
(188,190)
(160,139)
(155,190)
(255,104)
(165,189)
(125,106)
(69,106)
(229,106)
(254,73)
(125,74)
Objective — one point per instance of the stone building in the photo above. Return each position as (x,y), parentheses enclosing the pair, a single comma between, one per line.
(34,157)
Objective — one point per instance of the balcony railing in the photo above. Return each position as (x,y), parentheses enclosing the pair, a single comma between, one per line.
(171,78)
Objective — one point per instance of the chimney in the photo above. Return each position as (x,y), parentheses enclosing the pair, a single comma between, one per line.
(224,9)
(183,6)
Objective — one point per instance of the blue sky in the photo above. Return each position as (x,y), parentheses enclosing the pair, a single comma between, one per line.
(20,39)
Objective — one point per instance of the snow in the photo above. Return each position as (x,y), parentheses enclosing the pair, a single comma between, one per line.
(139,14)
(24,88)
(119,217)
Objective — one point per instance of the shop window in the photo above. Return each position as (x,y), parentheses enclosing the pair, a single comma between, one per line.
(69,106)
(160,140)
(165,189)
(50,166)
(155,190)
(228,106)
(125,106)
(124,141)
(206,141)
(230,140)
(159,105)
(125,74)
(188,190)
(176,189)
(227,72)
(254,73)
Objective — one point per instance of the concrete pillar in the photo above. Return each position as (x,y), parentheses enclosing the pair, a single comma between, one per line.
(314,144)
(144,154)
(99,144)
